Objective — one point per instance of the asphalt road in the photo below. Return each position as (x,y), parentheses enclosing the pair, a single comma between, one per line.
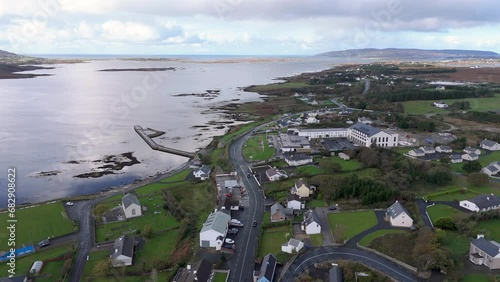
(314,255)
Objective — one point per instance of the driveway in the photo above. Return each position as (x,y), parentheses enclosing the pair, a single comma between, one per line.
(328,239)
(422,210)
(381,225)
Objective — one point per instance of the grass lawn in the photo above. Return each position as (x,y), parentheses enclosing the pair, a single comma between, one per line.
(370,237)
(457,243)
(256,148)
(94,257)
(477,278)
(220,277)
(157,248)
(317,239)
(485,160)
(349,165)
(308,170)
(272,239)
(23,264)
(458,196)
(37,223)
(266,217)
(274,86)
(492,228)
(177,177)
(438,211)
(52,271)
(458,182)
(316,203)
(353,222)
(364,173)
(477,104)
(243,129)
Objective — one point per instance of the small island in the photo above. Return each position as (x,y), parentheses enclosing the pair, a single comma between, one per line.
(141,69)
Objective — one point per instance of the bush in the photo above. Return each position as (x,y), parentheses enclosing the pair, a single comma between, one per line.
(472,166)
(478,178)
(445,223)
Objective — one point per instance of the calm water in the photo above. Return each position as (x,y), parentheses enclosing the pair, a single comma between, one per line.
(81,114)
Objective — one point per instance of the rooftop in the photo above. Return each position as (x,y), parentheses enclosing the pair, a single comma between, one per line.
(492,248)
(217,221)
(366,129)
(123,246)
(486,201)
(396,209)
(129,199)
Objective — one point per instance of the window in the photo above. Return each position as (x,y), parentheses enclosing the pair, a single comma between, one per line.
(133,211)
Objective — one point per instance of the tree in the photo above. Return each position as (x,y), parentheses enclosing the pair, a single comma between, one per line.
(478,178)
(368,157)
(472,166)
(147,231)
(338,232)
(103,268)
(329,165)
(445,223)
(99,211)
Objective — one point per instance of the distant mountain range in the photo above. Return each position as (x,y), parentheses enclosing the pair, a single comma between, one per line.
(396,53)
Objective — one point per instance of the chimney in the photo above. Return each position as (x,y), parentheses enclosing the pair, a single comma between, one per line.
(480,236)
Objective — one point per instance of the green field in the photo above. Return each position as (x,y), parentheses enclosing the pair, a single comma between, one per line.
(317,239)
(352,222)
(456,196)
(256,148)
(492,228)
(370,237)
(457,243)
(349,165)
(52,271)
(37,223)
(438,211)
(94,257)
(315,203)
(156,249)
(477,104)
(266,217)
(220,277)
(274,86)
(308,170)
(272,239)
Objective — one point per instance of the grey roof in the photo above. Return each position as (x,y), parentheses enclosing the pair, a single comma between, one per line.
(366,129)
(123,246)
(231,183)
(488,143)
(472,155)
(272,171)
(298,157)
(129,199)
(492,248)
(200,272)
(486,201)
(456,156)
(217,221)
(396,209)
(292,197)
(428,148)
(294,141)
(470,149)
(445,148)
(336,274)
(205,169)
(418,151)
(492,168)
(277,207)
(294,242)
(310,217)
(320,129)
(268,267)
(299,183)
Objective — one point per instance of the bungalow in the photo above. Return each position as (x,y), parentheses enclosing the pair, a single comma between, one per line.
(470,150)
(485,252)
(470,157)
(492,169)
(343,156)
(201,271)
(279,213)
(274,174)
(267,269)
(335,274)
(214,227)
(443,149)
(455,158)
(416,153)
(490,145)
(301,189)
(399,216)
(294,202)
(298,160)
(203,173)
(428,149)
(123,251)
(311,224)
(481,203)
(312,120)
(131,206)
(293,245)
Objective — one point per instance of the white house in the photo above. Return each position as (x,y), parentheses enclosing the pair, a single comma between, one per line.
(131,206)
(490,145)
(440,87)
(123,251)
(455,158)
(312,120)
(471,150)
(365,120)
(399,216)
(470,157)
(298,159)
(428,149)
(203,173)
(274,174)
(443,149)
(440,105)
(322,132)
(484,252)
(343,156)
(214,228)
(492,169)
(294,202)
(311,224)
(300,188)
(416,153)
(293,245)
(481,203)
(366,135)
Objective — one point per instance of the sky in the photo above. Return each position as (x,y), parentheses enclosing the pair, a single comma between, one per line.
(245,27)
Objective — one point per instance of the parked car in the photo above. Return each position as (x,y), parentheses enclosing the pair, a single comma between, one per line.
(249,175)
(229,241)
(332,208)
(69,203)
(44,243)
(233,231)
(228,246)
(254,223)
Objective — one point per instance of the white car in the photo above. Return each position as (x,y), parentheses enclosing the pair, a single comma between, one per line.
(229,241)
(69,203)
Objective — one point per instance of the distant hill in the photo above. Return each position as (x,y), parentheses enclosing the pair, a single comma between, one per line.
(396,53)
(7,54)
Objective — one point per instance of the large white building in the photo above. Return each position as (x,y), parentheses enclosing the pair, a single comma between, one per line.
(214,230)
(367,135)
(322,132)
(294,143)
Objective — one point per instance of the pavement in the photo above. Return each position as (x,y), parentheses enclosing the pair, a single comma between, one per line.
(422,210)
(328,239)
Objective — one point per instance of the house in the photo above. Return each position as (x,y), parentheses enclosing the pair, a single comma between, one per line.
(365,120)
(455,158)
(367,135)
(399,216)
(416,153)
(297,160)
(440,87)
(293,245)
(301,189)
(481,203)
(312,120)
(470,157)
(343,156)
(131,206)
(294,143)
(311,224)
(294,202)
(490,145)
(443,149)
(203,173)
(335,274)
(440,105)
(123,251)
(484,252)
(492,169)
(471,150)
(201,271)
(267,269)
(214,227)
(428,149)
(279,213)
(273,174)
(313,133)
